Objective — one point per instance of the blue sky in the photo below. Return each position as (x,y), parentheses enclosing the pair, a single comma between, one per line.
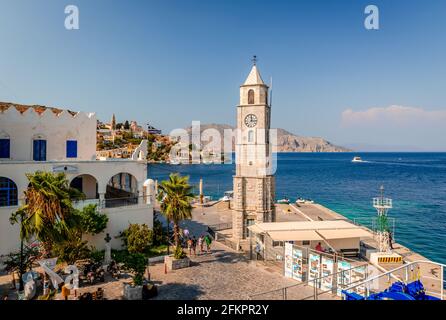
(171,62)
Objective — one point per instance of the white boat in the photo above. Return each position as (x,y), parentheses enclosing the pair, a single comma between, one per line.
(284,201)
(228,196)
(174,162)
(303,201)
(357,159)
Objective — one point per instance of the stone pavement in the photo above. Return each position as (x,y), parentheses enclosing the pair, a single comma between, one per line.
(224,274)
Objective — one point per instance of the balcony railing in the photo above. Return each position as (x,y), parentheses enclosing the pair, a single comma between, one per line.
(112,202)
(120,202)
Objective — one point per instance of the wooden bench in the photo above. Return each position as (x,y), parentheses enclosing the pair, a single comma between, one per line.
(353,252)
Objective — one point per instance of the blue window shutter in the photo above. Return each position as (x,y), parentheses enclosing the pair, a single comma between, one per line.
(5,145)
(71,149)
(36,150)
(42,150)
(39,150)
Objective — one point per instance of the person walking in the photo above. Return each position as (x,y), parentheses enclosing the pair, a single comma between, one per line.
(194,245)
(208,241)
(258,250)
(390,240)
(200,244)
(189,246)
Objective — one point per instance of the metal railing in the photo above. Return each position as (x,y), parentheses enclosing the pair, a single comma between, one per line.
(300,291)
(406,273)
(112,202)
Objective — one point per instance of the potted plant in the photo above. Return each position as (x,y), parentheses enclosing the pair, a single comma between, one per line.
(175,196)
(178,260)
(135,263)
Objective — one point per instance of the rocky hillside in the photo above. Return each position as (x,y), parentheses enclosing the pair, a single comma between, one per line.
(288,142)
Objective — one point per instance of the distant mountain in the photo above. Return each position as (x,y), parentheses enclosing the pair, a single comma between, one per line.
(287,141)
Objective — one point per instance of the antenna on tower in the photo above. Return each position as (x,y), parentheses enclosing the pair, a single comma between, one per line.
(254,60)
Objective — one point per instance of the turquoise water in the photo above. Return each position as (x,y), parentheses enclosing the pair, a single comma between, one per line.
(415,181)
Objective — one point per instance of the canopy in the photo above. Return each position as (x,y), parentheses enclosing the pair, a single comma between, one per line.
(254,228)
(304,225)
(305,235)
(345,233)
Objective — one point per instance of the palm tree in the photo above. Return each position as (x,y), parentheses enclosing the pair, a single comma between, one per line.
(48,213)
(175,196)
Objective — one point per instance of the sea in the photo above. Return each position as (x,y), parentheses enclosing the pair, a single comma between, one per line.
(415,181)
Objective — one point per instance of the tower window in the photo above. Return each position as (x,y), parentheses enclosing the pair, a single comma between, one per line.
(251,96)
(250,136)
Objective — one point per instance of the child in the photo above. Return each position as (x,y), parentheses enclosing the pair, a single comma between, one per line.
(189,246)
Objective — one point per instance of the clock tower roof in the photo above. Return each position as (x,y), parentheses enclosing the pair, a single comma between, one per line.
(254,77)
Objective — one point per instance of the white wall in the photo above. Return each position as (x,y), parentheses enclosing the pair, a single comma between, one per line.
(119,219)
(56,129)
(9,234)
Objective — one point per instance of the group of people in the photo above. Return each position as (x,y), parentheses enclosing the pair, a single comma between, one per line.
(203,240)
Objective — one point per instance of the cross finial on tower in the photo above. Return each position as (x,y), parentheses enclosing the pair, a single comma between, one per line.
(254,59)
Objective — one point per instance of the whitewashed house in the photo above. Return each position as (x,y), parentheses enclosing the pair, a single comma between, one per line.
(36,138)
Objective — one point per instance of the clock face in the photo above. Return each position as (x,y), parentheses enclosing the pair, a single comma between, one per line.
(250,120)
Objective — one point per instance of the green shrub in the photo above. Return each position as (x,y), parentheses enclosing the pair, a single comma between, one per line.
(119,256)
(179,253)
(137,238)
(159,232)
(97,255)
(137,264)
(72,250)
(91,221)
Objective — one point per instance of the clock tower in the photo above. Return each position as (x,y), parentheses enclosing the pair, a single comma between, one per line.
(254,183)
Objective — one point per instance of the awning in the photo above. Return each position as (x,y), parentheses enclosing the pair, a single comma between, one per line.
(345,233)
(305,225)
(300,235)
(255,229)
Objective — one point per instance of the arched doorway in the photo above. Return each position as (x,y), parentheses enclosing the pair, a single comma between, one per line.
(122,190)
(87,184)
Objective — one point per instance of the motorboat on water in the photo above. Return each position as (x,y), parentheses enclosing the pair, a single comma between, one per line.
(357,159)
(284,201)
(303,201)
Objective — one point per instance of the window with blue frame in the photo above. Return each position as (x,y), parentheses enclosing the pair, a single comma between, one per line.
(71,149)
(8,193)
(39,150)
(5,145)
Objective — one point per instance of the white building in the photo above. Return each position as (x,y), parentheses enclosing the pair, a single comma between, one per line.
(36,138)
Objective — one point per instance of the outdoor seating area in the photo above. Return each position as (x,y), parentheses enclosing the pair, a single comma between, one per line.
(331,236)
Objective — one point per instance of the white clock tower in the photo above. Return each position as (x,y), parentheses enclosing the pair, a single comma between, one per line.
(254,184)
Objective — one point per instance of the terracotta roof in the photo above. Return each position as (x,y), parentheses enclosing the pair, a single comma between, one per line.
(37,108)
